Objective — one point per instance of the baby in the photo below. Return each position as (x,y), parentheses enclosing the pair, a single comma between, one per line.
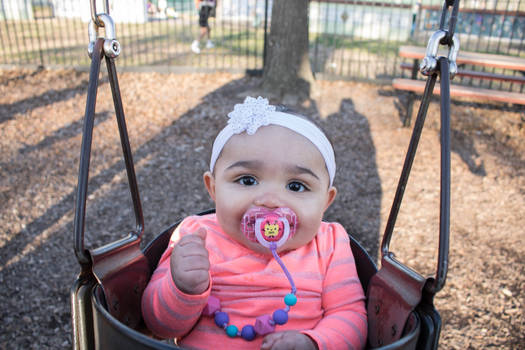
(264,271)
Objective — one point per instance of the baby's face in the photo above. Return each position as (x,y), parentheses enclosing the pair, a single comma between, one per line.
(273,168)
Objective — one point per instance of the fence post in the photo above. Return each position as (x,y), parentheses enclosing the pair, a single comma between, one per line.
(40,53)
(265,33)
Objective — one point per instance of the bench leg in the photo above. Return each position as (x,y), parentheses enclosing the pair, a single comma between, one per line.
(409,109)
(411,95)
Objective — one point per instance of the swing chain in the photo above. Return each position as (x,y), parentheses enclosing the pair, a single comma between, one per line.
(111,45)
(93,6)
(452,20)
(443,37)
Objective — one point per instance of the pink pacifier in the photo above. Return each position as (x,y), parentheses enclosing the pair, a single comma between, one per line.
(271,228)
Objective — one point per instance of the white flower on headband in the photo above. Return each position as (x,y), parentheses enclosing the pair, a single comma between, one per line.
(250,115)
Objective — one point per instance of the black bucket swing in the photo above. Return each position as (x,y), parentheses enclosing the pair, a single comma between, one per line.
(106,296)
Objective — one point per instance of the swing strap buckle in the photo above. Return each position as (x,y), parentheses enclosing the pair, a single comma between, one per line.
(428,65)
(111,45)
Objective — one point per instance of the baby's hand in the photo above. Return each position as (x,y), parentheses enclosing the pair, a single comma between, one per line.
(288,340)
(190,264)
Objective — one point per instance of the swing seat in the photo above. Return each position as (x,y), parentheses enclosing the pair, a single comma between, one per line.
(114,320)
(106,297)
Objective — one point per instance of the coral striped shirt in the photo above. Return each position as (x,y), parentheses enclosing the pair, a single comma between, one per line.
(330,307)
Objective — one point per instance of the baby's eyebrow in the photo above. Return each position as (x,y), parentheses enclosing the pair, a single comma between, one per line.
(257,164)
(254,164)
(296,169)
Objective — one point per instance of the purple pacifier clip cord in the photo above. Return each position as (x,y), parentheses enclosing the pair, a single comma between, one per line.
(264,324)
(273,248)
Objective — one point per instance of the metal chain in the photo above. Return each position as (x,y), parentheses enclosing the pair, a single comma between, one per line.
(93,6)
(452,20)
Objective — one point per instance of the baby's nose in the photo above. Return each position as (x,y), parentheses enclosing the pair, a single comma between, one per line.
(269,200)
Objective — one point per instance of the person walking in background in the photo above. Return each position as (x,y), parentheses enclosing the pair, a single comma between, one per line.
(206,10)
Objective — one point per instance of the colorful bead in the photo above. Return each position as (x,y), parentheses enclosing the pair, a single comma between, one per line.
(232,330)
(221,319)
(263,325)
(248,332)
(290,299)
(213,305)
(280,317)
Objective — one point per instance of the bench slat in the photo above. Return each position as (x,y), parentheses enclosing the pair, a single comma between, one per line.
(464,57)
(480,75)
(462,91)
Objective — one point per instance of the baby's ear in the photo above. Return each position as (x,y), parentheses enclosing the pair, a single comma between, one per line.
(332,192)
(209,182)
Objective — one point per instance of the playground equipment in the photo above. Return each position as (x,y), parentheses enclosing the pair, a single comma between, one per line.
(105,298)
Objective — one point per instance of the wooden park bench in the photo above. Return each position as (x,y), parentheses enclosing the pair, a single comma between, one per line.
(464,58)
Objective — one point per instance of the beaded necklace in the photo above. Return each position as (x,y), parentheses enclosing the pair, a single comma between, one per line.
(275,232)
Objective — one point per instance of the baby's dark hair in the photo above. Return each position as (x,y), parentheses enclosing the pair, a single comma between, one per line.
(286,109)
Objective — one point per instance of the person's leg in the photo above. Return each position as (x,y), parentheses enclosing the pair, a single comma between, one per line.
(209,43)
(203,23)
(204,33)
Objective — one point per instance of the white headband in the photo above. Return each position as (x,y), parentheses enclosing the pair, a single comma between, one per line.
(257,112)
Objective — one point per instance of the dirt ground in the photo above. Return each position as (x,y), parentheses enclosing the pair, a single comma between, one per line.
(172,120)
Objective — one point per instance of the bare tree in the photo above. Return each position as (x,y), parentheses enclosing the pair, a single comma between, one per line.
(287,73)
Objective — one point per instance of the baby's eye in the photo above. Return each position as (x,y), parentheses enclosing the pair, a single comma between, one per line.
(296,186)
(247,180)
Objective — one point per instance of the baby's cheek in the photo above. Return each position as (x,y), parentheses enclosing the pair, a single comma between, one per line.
(305,234)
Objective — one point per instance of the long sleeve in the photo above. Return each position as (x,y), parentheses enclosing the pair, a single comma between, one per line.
(168,312)
(344,323)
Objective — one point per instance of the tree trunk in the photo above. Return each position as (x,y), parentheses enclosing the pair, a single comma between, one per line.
(287,74)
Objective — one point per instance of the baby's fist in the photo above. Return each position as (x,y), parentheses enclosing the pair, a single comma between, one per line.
(190,264)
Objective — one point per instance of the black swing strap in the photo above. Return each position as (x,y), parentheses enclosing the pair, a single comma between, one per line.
(396,290)
(109,48)
(85,155)
(108,263)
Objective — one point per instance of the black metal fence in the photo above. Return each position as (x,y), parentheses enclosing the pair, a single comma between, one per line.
(349,39)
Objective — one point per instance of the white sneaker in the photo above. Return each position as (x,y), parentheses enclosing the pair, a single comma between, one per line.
(210,45)
(195,47)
